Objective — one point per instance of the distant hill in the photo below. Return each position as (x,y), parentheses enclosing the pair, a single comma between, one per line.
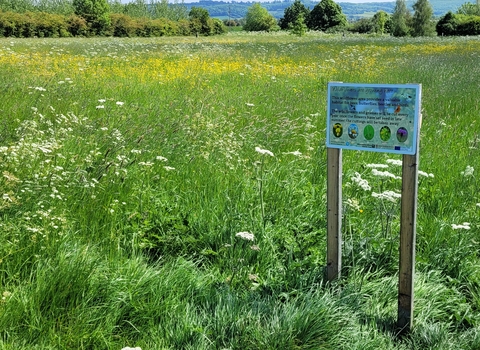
(237,10)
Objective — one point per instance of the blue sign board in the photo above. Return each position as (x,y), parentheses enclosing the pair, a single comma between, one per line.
(374,117)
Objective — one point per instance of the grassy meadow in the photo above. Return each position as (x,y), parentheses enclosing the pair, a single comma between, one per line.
(170,193)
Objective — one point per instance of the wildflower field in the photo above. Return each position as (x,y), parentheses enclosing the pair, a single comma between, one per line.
(170,193)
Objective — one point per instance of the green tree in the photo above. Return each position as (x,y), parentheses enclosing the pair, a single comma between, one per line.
(400,19)
(422,22)
(362,26)
(298,27)
(137,9)
(447,25)
(95,12)
(469,9)
(259,19)
(200,21)
(292,13)
(326,14)
(380,20)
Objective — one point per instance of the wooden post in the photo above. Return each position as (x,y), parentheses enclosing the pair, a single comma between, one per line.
(408,218)
(334,213)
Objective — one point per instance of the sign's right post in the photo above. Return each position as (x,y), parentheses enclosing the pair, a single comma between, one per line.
(408,218)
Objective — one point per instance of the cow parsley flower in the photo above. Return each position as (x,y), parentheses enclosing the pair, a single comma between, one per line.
(296,153)
(361,182)
(264,151)
(145,163)
(468,171)
(245,235)
(387,195)
(465,226)
(381,166)
(384,174)
(394,161)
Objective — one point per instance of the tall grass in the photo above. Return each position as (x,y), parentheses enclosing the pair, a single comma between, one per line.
(129,166)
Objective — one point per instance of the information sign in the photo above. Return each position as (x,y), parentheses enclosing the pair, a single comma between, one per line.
(373,117)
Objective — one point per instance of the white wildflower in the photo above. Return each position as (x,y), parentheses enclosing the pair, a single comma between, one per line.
(394,161)
(384,174)
(6,197)
(129,348)
(264,151)
(250,104)
(145,163)
(119,103)
(100,107)
(361,182)
(102,100)
(465,226)
(245,235)
(168,168)
(136,151)
(422,173)
(468,171)
(387,195)
(296,153)
(161,159)
(383,166)
(353,203)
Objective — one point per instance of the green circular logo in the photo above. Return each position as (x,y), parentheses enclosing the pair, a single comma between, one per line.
(368,132)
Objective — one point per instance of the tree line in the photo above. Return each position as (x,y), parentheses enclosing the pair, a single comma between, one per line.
(328,16)
(62,18)
(66,18)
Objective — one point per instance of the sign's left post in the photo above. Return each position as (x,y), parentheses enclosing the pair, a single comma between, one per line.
(334,213)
